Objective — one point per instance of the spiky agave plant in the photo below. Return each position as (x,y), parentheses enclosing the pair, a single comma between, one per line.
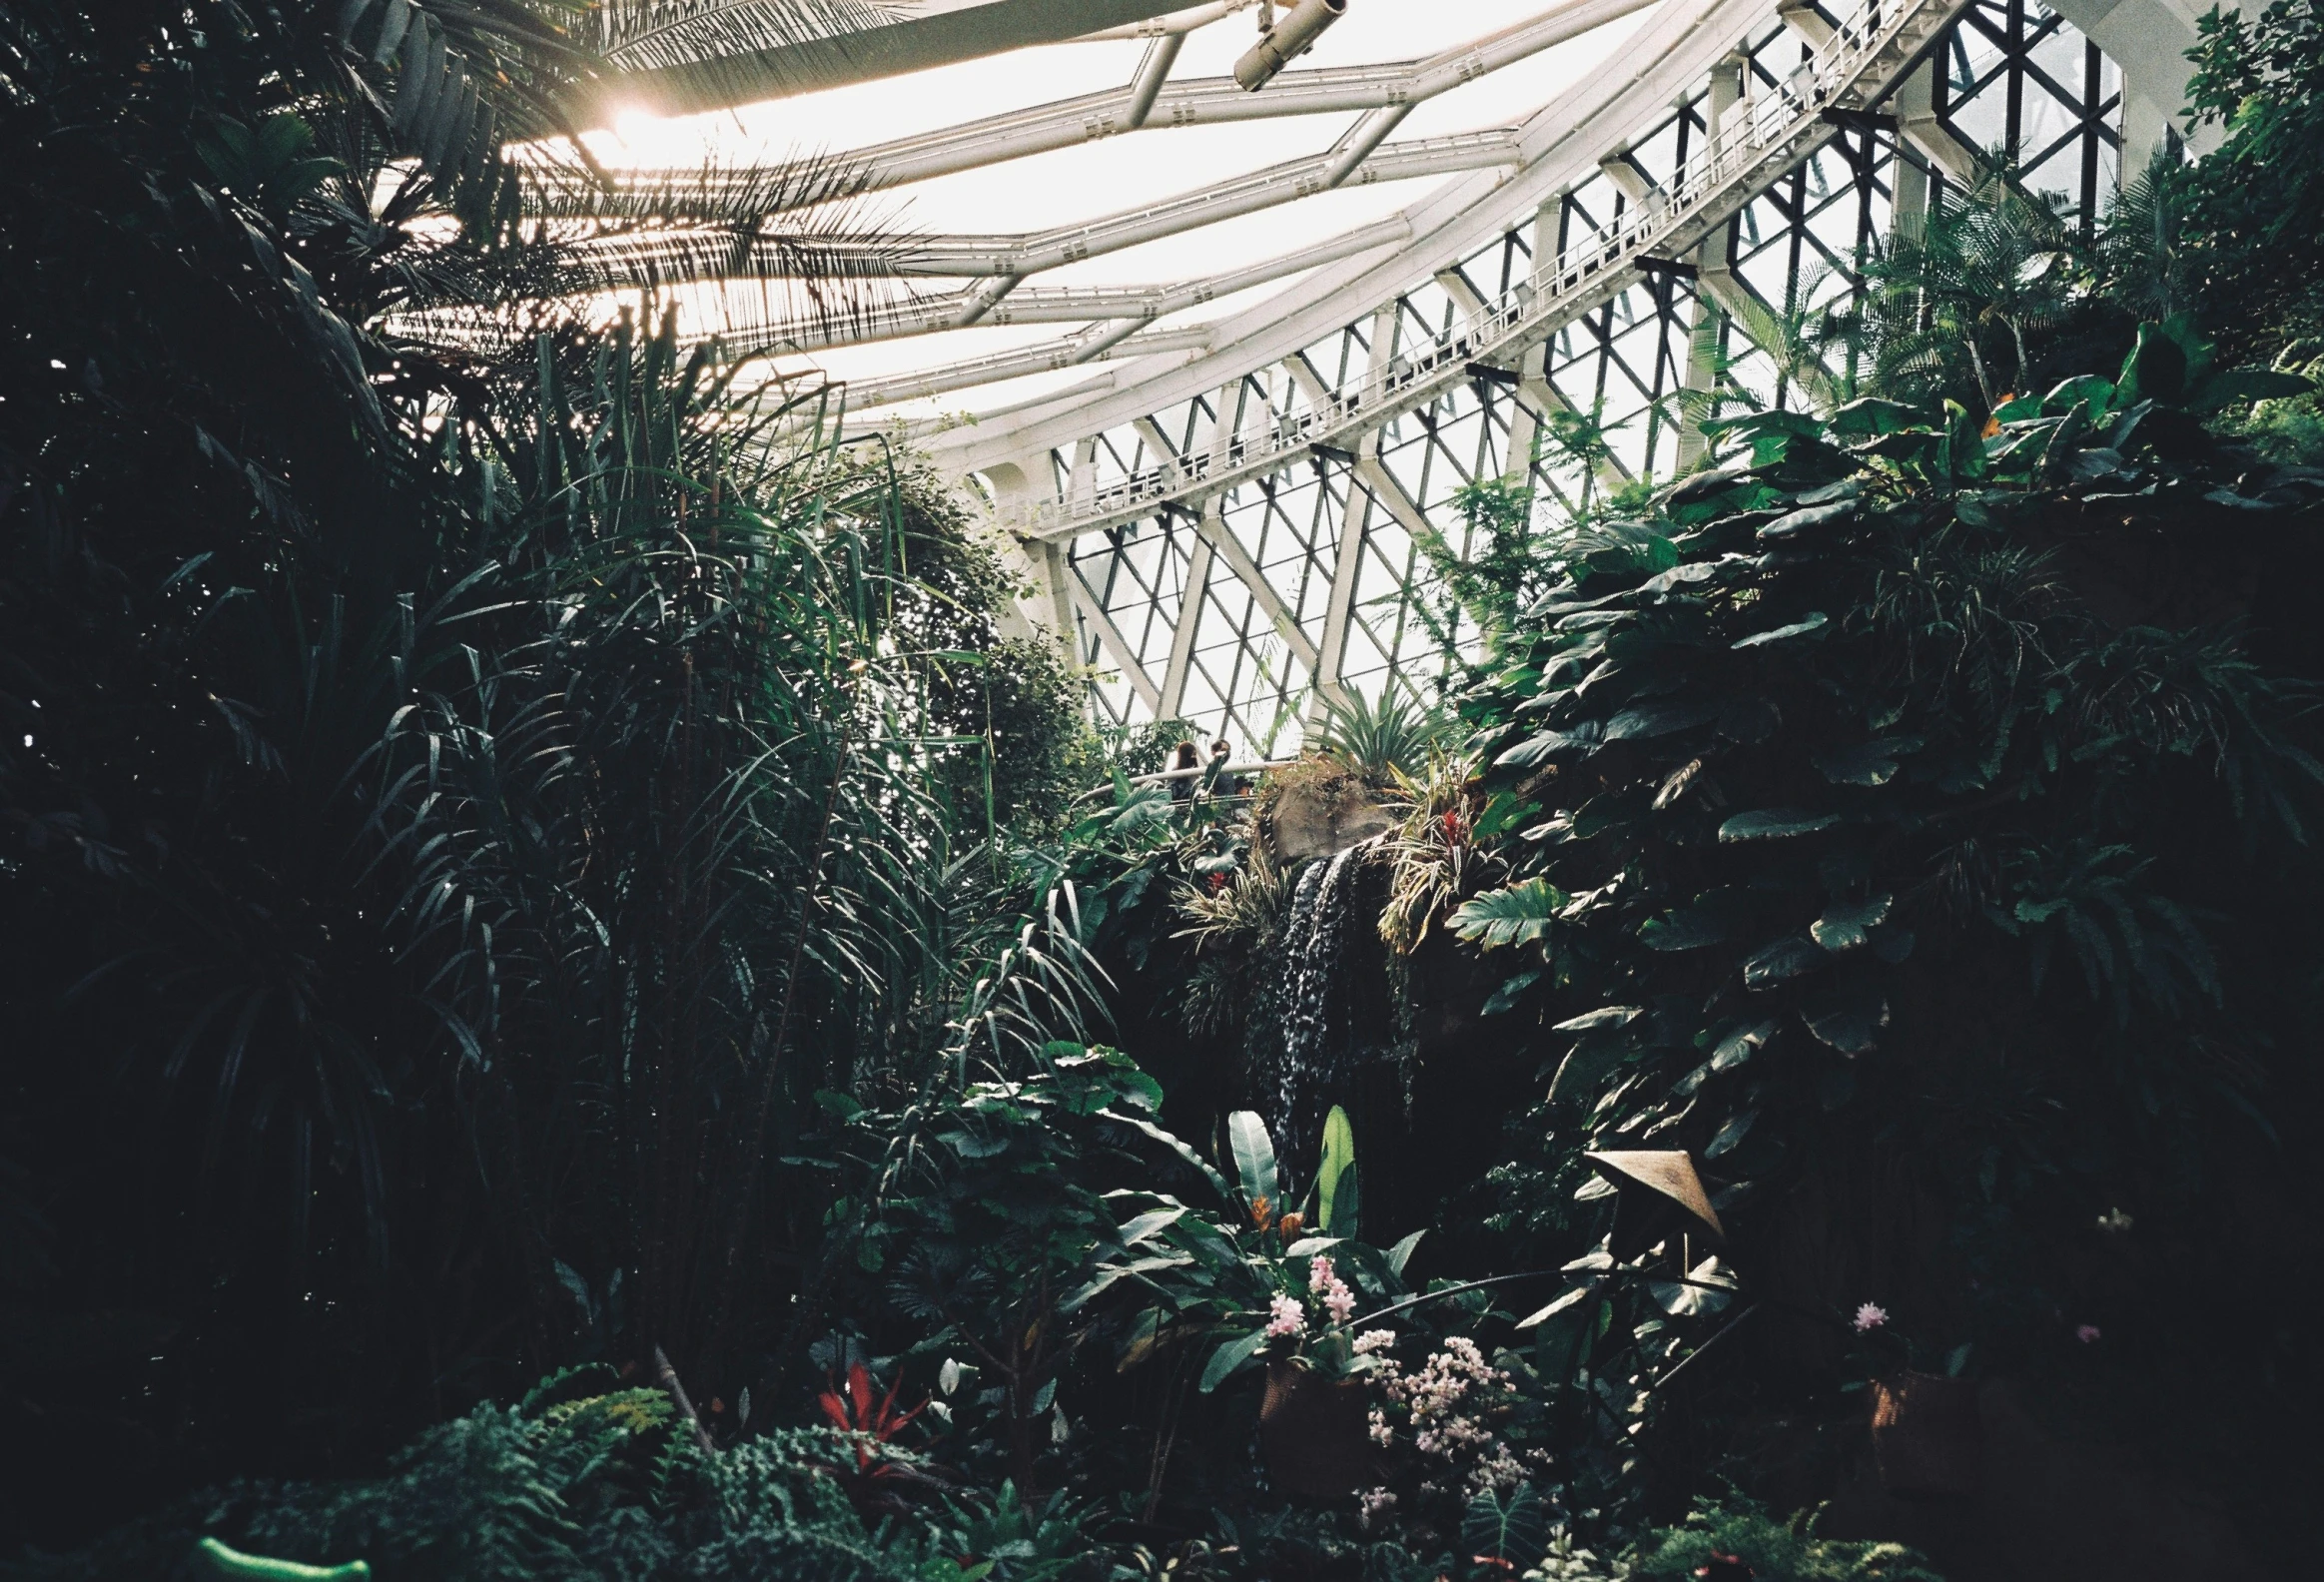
(1380,736)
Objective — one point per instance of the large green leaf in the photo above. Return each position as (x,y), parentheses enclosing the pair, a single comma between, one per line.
(1177,1146)
(1750,425)
(1515,914)
(1813,622)
(1848,1019)
(1602,1017)
(1622,549)
(1255,1161)
(1614,810)
(1869,763)
(1845,925)
(1113,1273)
(1543,1315)
(1511,1530)
(1230,1356)
(2082,388)
(1739,1045)
(1683,929)
(1152,1223)
(1538,749)
(2065,441)
(1870,415)
(1730,1131)
(1505,997)
(1785,958)
(1775,824)
(1707,1287)
(2241,386)
(1335,1177)
(1800,524)
(2169,361)
(1645,720)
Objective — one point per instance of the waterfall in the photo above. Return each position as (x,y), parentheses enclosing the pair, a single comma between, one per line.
(1310,992)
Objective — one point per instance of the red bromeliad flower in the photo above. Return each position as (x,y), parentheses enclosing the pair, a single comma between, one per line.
(853,1413)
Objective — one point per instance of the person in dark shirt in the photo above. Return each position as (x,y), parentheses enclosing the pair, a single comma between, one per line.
(1184,758)
(1217,781)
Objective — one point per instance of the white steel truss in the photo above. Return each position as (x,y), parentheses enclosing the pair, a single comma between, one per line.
(1391,91)
(1329,593)
(1229,517)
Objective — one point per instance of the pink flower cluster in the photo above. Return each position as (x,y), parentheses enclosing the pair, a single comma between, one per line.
(1286,1316)
(1339,1301)
(1450,1403)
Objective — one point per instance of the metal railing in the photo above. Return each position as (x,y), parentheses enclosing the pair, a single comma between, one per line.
(1757,142)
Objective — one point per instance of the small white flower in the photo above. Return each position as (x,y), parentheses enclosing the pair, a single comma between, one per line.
(1869,1316)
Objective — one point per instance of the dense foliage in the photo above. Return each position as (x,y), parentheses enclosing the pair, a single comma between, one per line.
(462,791)
(522,855)
(1906,821)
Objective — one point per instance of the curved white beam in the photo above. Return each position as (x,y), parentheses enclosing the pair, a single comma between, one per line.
(1207,101)
(1561,145)
(1054,305)
(1751,149)
(675,57)
(1043,358)
(682,257)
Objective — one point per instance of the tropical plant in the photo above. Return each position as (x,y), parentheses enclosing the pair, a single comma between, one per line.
(696,646)
(2250,214)
(1862,715)
(1953,306)
(584,1479)
(871,1425)
(1379,737)
(2141,252)
(1791,349)
(1517,913)
(990,1216)
(1488,578)
(1259,1277)
(1433,855)
(1741,1535)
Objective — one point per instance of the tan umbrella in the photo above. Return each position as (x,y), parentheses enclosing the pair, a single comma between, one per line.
(1667,1173)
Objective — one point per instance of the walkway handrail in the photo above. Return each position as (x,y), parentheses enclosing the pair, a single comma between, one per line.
(1757,144)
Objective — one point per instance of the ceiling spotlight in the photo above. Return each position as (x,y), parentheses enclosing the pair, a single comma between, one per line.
(1283,43)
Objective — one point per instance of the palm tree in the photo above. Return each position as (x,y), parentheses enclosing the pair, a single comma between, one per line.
(2140,253)
(1949,305)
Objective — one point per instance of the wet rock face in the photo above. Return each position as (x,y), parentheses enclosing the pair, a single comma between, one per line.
(1321,819)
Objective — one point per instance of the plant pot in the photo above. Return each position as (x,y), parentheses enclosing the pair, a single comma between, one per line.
(1316,1433)
(1927,1437)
